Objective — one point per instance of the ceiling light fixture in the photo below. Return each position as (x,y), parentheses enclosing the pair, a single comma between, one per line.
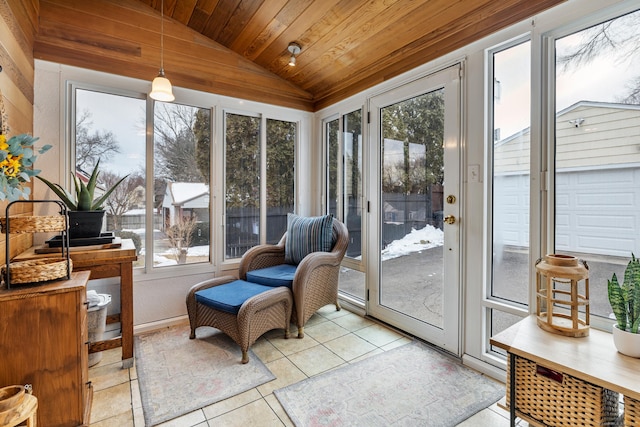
(295,49)
(161,86)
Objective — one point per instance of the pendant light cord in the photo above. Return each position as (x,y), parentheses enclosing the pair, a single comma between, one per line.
(162,35)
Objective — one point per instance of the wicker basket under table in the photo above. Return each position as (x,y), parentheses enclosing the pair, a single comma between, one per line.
(631,411)
(558,399)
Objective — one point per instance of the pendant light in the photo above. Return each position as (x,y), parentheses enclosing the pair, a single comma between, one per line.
(161,86)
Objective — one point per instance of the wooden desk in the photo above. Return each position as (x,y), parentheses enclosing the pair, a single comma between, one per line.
(593,359)
(104,263)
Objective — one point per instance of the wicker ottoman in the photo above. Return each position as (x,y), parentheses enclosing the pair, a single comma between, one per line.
(242,310)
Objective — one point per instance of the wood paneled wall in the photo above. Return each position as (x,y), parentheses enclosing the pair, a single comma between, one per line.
(18,27)
(123,37)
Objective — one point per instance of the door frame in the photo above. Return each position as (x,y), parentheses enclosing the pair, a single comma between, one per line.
(449,336)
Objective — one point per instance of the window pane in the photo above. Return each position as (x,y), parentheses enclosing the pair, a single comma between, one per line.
(181,168)
(110,129)
(242,183)
(333,150)
(281,142)
(597,161)
(352,130)
(511,170)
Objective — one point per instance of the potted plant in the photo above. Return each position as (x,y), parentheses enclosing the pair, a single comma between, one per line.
(625,302)
(85,209)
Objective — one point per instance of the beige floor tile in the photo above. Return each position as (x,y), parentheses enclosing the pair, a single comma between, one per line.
(329,311)
(324,332)
(266,351)
(275,405)
(188,420)
(485,418)
(111,402)
(107,375)
(378,335)
(350,346)
(121,420)
(254,414)
(367,355)
(138,417)
(353,322)
(293,345)
(313,320)
(136,399)
(231,403)
(397,343)
(316,360)
(285,372)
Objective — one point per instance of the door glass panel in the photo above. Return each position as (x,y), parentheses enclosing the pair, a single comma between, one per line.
(511,173)
(411,207)
(242,183)
(597,161)
(181,167)
(281,142)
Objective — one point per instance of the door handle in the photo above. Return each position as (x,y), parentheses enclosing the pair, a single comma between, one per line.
(450,219)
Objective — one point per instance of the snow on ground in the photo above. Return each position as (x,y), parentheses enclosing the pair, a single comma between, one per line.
(416,241)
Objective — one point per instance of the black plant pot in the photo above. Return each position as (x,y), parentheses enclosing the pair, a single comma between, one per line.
(83,224)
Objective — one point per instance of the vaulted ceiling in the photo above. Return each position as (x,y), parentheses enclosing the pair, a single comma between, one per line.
(347,45)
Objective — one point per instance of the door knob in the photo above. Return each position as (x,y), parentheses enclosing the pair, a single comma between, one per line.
(450,219)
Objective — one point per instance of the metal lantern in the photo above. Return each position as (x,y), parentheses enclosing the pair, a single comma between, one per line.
(562,294)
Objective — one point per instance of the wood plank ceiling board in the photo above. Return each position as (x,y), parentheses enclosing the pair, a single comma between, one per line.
(347,45)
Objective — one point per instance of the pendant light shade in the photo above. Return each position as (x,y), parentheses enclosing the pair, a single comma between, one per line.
(161,89)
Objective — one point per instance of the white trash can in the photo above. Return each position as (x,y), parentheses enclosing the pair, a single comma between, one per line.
(97,321)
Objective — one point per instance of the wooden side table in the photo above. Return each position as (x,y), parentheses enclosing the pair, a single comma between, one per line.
(104,263)
(593,360)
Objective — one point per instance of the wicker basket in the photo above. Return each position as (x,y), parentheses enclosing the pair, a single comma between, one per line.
(558,399)
(631,412)
(37,270)
(34,224)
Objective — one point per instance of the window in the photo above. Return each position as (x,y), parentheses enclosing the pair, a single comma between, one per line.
(595,149)
(281,143)
(247,179)
(509,151)
(182,161)
(111,129)
(343,142)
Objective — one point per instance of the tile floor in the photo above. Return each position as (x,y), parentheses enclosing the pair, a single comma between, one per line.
(332,338)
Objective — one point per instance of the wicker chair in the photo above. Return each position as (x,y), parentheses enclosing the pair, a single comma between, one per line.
(315,282)
(269,308)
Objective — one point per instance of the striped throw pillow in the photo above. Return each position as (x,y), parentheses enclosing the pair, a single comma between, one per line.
(306,235)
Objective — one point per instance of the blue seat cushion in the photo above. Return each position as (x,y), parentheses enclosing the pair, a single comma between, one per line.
(278,275)
(230,296)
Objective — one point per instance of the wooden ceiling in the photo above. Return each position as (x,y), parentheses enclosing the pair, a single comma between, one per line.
(347,45)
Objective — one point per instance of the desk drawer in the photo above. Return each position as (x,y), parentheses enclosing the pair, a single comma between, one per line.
(557,399)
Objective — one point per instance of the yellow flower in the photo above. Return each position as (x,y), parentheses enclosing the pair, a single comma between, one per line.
(11,165)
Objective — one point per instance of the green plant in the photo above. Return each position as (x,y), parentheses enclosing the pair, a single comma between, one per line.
(17,158)
(625,298)
(84,193)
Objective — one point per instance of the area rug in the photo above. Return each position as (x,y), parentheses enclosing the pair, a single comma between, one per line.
(412,385)
(178,375)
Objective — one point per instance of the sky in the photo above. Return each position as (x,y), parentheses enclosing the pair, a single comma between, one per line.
(601,80)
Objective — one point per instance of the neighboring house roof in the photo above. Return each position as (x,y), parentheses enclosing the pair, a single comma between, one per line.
(182,193)
(588,134)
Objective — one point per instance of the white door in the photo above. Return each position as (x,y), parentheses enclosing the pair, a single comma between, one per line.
(415,270)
